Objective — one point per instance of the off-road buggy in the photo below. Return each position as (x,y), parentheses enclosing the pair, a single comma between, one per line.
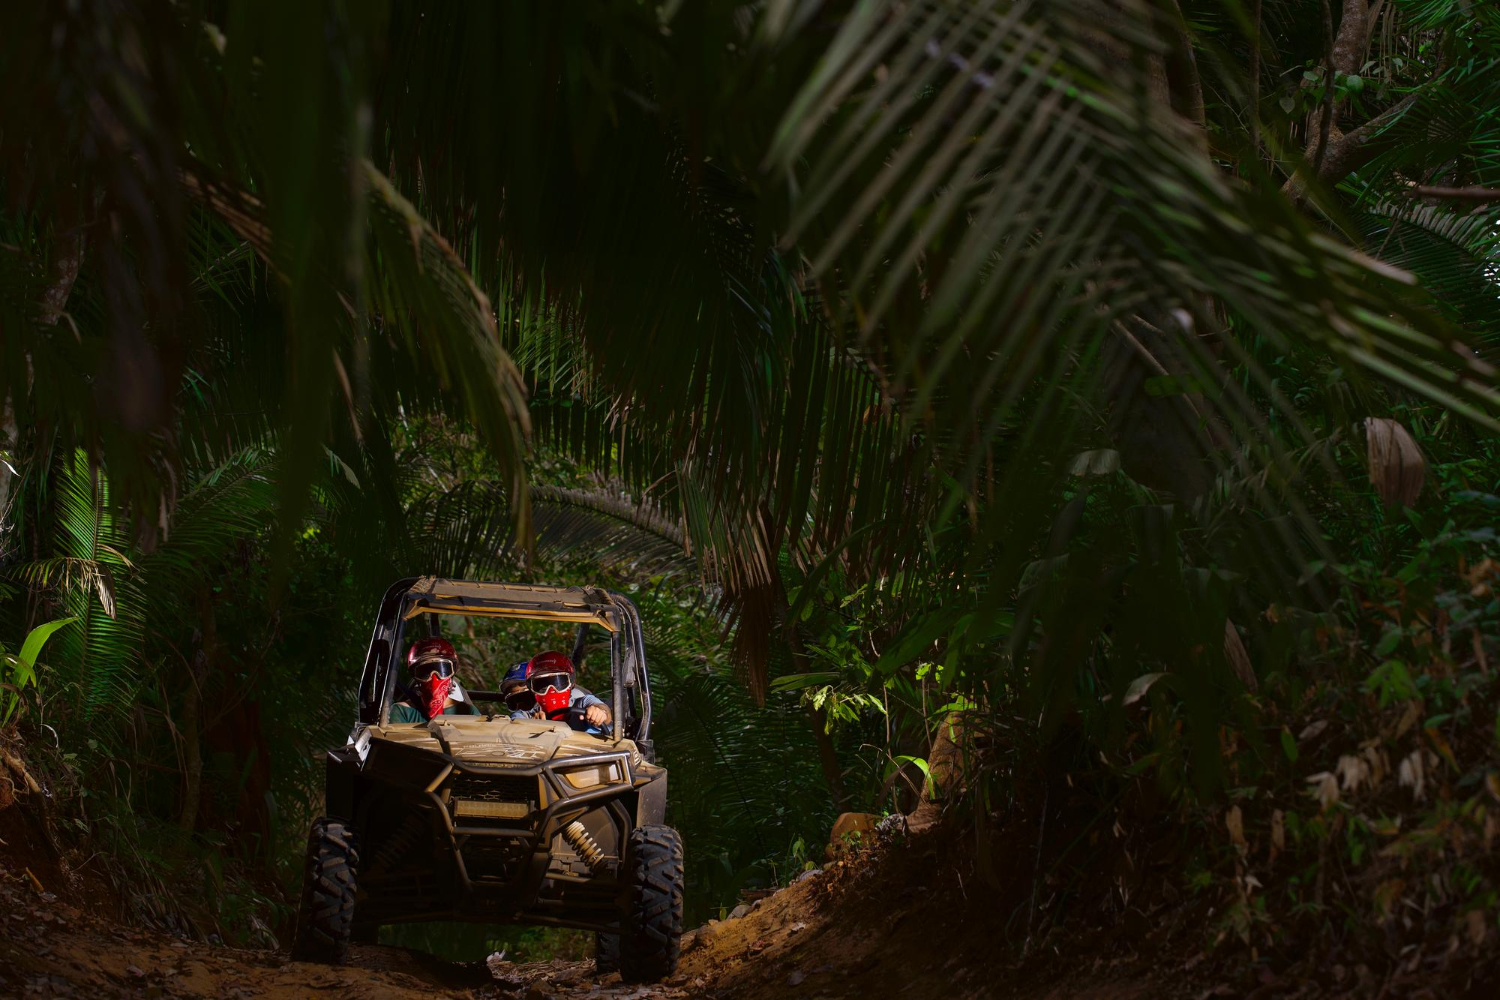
(483,819)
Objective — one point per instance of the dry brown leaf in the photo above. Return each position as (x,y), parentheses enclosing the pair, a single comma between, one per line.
(1477,926)
(1387,895)
(1480,576)
(1101,462)
(1412,774)
(1397,467)
(1327,790)
(1409,718)
(1238,658)
(1278,829)
(1312,731)
(1443,748)
(104,582)
(1139,687)
(1234,820)
(1353,772)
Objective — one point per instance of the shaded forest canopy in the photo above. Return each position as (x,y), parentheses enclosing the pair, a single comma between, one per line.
(1106,384)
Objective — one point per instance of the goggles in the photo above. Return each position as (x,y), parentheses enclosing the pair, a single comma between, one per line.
(440,666)
(557,680)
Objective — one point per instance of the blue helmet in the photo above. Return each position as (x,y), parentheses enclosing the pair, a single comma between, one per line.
(520,699)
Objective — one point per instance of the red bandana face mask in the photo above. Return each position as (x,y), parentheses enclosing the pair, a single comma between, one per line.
(549,676)
(432,664)
(435,690)
(554,692)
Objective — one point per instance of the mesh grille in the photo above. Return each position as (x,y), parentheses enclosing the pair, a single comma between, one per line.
(494,788)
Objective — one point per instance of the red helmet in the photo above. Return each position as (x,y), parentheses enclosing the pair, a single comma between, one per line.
(549,675)
(424,649)
(431,663)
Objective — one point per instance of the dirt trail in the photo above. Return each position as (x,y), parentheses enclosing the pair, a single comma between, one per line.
(889,925)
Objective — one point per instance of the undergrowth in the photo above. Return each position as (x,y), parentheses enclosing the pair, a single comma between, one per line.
(1350,836)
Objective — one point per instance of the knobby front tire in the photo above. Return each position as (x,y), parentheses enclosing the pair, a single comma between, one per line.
(651,935)
(325,918)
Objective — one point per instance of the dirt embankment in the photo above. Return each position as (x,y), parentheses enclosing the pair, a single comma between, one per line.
(910,921)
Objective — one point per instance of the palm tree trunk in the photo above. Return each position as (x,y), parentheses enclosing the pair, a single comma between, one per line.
(10,439)
(191,725)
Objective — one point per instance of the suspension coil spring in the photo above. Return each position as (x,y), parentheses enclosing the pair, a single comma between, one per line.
(584,844)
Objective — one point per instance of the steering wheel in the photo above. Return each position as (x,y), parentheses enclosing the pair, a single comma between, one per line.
(577,717)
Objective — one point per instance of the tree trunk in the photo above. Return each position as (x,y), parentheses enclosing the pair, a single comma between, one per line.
(828,756)
(945,765)
(10,439)
(191,724)
(65,267)
(67,256)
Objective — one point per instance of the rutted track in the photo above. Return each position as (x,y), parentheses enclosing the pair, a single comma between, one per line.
(51,948)
(893,924)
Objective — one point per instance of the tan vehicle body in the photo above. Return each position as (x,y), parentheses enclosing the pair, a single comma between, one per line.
(485,819)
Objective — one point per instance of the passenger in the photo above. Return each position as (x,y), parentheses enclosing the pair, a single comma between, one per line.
(543,687)
(518,697)
(432,664)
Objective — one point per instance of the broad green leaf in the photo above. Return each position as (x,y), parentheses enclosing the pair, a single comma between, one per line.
(922,764)
(37,638)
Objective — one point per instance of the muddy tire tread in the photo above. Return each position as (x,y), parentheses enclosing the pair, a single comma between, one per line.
(651,934)
(325,918)
(606,953)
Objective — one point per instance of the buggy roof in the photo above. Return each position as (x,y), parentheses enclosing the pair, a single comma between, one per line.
(433,595)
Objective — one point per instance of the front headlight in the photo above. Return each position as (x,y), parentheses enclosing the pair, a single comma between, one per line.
(593,775)
(471,808)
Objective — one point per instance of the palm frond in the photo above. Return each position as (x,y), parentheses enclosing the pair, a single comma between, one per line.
(610,532)
(226,506)
(100,658)
(1455,255)
(423,290)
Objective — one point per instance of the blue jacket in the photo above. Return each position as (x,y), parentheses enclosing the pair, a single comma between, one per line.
(581,698)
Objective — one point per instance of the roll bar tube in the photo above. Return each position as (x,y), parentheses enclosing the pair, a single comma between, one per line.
(627,655)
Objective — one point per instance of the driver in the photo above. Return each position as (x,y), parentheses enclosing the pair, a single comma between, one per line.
(431,663)
(543,687)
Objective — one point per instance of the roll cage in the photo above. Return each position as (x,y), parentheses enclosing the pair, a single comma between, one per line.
(589,607)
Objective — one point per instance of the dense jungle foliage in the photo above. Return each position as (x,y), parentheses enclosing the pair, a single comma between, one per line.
(1071,417)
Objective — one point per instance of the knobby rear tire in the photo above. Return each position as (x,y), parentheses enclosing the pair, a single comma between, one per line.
(651,933)
(325,918)
(606,953)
